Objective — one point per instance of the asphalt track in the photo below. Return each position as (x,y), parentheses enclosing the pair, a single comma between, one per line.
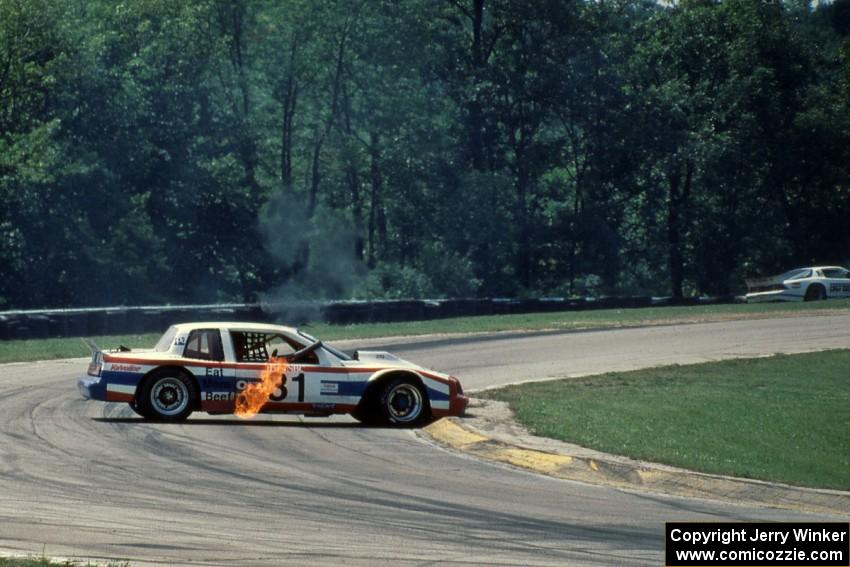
(90,480)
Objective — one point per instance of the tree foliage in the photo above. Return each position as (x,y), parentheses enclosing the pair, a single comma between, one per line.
(199,151)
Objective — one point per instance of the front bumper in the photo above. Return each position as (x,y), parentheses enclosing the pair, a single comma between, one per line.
(457,404)
(92,388)
(457,407)
(777,295)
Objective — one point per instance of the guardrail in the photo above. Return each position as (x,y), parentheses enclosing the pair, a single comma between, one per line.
(46,323)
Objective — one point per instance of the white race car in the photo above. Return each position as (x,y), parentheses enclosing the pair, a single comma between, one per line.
(250,368)
(802,284)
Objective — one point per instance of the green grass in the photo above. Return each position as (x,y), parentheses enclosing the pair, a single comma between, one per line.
(784,418)
(45,562)
(44,349)
(574,320)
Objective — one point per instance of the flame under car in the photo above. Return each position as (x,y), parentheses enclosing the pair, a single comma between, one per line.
(214,367)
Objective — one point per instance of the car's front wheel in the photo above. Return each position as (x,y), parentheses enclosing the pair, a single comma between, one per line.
(402,402)
(367,416)
(816,292)
(168,396)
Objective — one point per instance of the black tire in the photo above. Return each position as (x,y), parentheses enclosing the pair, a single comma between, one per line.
(169,395)
(135,407)
(367,411)
(366,416)
(403,402)
(816,292)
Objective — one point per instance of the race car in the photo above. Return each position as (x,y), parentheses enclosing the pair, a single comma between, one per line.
(211,367)
(801,284)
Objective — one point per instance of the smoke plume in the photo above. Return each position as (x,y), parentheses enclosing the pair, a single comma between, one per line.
(316,258)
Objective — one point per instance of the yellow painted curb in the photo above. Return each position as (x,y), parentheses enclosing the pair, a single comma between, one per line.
(534,460)
(620,473)
(453,435)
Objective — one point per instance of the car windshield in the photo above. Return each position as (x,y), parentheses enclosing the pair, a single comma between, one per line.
(166,339)
(336,352)
(310,338)
(796,274)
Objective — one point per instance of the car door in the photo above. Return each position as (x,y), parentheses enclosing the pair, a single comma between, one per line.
(319,383)
(257,354)
(837,282)
(332,386)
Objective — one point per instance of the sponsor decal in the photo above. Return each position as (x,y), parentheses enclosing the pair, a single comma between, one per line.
(125,368)
(242,383)
(342,388)
(225,383)
(219,396)
(324,406)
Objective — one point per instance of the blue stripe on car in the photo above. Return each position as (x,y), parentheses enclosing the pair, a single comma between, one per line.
(437,396)
(122,378)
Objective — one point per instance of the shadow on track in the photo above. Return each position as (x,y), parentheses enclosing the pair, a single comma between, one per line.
(244,423)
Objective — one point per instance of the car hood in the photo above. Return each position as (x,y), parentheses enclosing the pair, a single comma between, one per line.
(382,358)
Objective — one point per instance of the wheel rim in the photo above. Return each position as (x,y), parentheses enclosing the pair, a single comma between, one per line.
(169,396)
(404,403)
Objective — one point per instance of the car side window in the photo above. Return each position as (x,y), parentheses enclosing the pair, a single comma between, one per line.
(249,347)
(257,347)
(204,344)
(835,273)
(276,345)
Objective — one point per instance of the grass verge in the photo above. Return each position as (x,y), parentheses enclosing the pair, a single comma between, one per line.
(45,562)
(782,419)
(44,349)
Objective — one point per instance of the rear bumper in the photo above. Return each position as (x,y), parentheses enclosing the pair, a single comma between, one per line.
(92,388)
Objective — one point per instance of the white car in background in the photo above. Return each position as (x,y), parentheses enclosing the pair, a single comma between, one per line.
(802,284)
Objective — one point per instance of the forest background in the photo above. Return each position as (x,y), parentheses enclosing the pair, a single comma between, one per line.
(202,151)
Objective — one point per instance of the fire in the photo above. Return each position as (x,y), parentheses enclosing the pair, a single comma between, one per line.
(252,399)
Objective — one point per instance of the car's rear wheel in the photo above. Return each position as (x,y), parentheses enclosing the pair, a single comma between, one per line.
(403,402)
(816,292)
(168,396)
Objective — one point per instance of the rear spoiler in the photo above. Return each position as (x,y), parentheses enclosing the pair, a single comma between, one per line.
(96,364)
(91,345)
